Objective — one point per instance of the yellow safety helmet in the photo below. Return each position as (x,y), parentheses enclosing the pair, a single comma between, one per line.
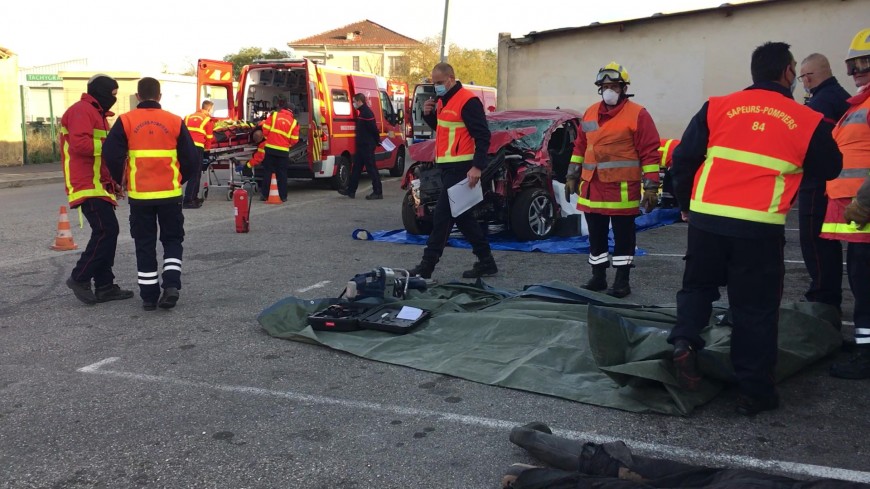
(858,57)
(613,72)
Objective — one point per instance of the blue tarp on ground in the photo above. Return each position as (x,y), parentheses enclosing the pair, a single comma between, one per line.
(506,241)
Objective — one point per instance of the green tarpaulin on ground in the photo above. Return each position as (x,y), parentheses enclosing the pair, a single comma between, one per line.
(558,340)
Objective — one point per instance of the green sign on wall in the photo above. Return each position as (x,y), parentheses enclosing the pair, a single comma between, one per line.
(39,77)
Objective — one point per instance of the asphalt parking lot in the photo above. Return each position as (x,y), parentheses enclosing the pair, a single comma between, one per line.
(200,397)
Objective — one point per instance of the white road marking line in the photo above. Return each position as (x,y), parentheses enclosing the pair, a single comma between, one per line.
(312,287)
(650,449)
(96,366)
(681,255)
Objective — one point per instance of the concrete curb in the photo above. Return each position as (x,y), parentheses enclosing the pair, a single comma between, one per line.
(27,182)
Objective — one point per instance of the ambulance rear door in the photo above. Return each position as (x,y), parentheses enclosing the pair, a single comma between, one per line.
(214,81)
(317,143)
(421,130)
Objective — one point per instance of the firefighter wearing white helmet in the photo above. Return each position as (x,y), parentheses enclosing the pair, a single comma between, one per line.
(615,160)
(849,204)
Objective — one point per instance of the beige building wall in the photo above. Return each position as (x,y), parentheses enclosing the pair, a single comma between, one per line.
(675,62)
(378,61)
(11,148)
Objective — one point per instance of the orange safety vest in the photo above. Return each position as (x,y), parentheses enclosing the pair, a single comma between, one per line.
(281,130)
(852,134)
(152,141)
(610,147)
(84,174)
(200,130)
(453,142)
(757,145)
(666,148)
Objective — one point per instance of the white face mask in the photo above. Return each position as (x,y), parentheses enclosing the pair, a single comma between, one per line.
(610,97)
(357,105)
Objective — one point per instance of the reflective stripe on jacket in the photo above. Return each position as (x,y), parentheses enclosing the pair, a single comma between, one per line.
(82,132)
(453,142)
(852,134)
(757,145)
(610,147)
(667,150)
(281,131)
(201,128)
(152,138)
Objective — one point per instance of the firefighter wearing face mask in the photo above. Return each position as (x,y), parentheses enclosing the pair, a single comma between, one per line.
(616,162)
(849,204)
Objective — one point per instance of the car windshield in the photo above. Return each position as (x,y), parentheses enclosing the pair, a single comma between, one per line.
(531,142)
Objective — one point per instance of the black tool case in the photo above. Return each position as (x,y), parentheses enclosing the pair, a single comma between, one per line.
(383,318)
(341,317)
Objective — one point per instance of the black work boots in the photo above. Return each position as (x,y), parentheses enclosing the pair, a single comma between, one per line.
(856,367)
(484,267)
(112,292)
(424,269)
(598,282)
(620,287)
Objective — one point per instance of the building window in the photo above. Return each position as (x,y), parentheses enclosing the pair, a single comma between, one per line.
(356,63)
(400,65)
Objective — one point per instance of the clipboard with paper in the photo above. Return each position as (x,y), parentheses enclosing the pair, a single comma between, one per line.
(462,197)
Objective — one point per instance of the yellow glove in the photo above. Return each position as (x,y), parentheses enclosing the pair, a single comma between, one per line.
(857,213)
(649,201)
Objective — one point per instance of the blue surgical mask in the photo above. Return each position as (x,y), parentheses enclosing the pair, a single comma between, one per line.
(440,90)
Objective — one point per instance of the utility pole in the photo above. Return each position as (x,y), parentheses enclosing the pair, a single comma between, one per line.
(444,30)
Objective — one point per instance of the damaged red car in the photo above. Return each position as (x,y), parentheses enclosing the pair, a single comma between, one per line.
(528,150)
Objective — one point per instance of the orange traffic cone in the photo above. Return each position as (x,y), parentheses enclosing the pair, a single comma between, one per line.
(274,198)
(63,241)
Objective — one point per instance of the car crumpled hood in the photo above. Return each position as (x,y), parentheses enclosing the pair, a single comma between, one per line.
(517,124)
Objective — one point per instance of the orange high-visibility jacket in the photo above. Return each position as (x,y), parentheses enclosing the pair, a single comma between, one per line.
(152,138)
(83,128)
(610,147)
(281,131)
(201,128)
(757,146)
(667,150)
(852,134)
(453,142)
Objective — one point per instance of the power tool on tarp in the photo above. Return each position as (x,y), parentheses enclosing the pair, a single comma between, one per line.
(376,282)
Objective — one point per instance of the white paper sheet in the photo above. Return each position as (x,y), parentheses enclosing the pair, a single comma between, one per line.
(409,313)
(462,197)
(388,145)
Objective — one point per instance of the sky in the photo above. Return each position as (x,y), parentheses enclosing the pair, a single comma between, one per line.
(112,35)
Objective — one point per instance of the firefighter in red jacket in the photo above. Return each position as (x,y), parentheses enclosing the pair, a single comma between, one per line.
(666,149)
(736,173)
(90,187)
(161,157)
(201,128)
(849,204)
(615,153)
(281,132)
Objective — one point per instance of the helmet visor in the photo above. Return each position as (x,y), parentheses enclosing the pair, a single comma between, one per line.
(858,66)
(607,76)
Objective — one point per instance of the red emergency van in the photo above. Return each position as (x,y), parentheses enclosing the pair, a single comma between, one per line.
(321,100)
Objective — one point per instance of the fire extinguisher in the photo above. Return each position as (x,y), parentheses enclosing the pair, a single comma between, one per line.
(242,210)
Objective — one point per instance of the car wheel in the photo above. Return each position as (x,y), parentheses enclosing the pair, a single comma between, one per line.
(399,168)
(342,177)
(412,223)
(533,215)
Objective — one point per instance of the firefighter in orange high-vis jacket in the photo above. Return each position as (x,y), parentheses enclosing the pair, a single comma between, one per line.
(736,173)
(849,204)
(90,187)
(153,150)
(615,154)
(281,132)
(201,128)
(666,149)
